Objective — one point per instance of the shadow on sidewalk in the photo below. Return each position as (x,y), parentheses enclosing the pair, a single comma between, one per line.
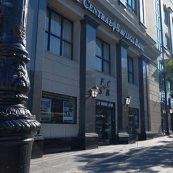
(138,160)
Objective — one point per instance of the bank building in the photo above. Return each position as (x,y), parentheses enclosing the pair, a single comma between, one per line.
(94,71)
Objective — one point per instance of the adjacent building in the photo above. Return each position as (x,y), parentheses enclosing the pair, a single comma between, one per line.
(76,46)
(167,52)
(164,38)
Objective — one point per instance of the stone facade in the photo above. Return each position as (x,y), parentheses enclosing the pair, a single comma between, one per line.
(128,69)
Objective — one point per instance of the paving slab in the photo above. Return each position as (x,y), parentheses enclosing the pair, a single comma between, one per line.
(150,156)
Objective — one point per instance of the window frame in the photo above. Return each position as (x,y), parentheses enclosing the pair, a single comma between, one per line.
(142,12)
(102,56)
(123,2)
(167,42)
(53,97)
(130,5)
(166,16)
(130,73)
(62,40)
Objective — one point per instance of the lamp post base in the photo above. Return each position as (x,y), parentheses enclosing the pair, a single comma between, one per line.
(15,154)
(17,124)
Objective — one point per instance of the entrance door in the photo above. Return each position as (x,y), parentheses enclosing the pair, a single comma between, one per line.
(104,124)
(133,120)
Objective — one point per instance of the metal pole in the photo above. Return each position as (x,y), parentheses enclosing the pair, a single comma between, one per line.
(171,114)
(17,124)
(165,100)
(164,76)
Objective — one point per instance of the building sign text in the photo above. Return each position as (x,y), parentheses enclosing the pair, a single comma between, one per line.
(116,27)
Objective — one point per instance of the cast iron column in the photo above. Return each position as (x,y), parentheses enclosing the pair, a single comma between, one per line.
(17,125)
(163,73)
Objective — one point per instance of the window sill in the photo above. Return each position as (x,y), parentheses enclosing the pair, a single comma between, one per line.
(131,10)
(55,55)
(133,85)
(132,16)
(144,27)
(103,73)
(60,59)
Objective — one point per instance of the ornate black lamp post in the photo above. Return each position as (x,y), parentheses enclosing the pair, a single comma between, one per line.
(17,125)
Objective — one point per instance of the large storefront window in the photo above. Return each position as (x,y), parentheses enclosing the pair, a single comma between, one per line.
(102,56)
(59,34)
(58,109)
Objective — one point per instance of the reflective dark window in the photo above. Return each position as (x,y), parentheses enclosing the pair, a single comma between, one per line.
(102,56)
(130,64)
(167,42)
(132,5)
(166,15)
(59,34)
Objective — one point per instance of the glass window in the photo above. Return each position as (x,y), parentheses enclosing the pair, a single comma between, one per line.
(132,5)
(98,48)
(58,109)
(130,70)
(55,24)
(46,105)
(59,34)
(98,64)
(54,45)
(102,56)
(167,42)
(158,24)
(106,51)
(129,2)
(67,50)
(67,31)
(166,15)
(142,11)
(47,21)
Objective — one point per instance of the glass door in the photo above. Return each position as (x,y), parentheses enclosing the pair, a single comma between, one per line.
(104,124)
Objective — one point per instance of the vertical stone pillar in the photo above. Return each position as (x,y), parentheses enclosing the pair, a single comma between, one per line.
(36,25)
(122,86)
(88,37)
(142,135)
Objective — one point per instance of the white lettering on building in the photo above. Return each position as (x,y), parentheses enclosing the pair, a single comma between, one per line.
(113,24)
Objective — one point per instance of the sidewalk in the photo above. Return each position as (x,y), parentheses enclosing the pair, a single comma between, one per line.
(155,155)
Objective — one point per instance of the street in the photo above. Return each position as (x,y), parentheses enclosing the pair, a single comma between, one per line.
(150,156)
